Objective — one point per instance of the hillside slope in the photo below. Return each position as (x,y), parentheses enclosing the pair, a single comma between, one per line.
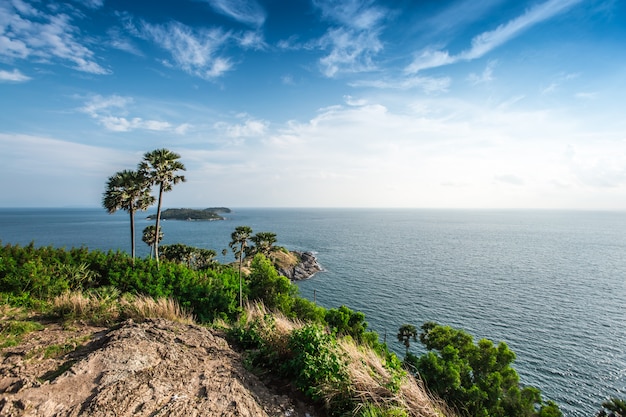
(155,368)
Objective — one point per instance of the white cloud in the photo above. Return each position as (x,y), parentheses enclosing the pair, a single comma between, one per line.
(249,128)
(426,84)
(351,45)
(244,11)
(13,76)
(30,33)
(350,51)
(195,51)
(92,4)
(357,14)
(487,41)
(444,153)
(252,40)
(111,112)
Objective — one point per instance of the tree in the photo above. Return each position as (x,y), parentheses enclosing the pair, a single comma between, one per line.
(149,237)
(130,191)
(266,285)
(192,257)
(476,379)
(264,242)
(613,408)
(406,332)
(239,242)
(160,167)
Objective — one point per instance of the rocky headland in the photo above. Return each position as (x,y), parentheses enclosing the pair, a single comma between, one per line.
(302,266)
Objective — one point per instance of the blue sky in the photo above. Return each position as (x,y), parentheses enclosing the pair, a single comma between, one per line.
(451,104)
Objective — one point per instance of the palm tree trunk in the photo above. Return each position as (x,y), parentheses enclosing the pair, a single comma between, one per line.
(132,234)
(158,221)
(240,290)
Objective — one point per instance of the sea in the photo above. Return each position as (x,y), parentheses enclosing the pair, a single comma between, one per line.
(551,284)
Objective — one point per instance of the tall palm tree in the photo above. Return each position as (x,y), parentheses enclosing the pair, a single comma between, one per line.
(160,167)
(238,244)
(128,190)
(149,236)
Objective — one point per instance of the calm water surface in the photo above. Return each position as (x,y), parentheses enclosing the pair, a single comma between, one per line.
(552,284)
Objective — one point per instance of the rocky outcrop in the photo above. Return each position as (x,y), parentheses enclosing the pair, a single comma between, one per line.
(155,368)
(305,268)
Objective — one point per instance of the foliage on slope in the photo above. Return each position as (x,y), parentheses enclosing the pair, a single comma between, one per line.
(347,377)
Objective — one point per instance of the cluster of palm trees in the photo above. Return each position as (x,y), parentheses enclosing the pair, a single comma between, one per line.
(263,243)
(132,191)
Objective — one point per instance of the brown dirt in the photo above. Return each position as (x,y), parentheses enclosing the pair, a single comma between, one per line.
(155,368)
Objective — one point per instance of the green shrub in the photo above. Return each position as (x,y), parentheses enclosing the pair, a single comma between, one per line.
(316,362)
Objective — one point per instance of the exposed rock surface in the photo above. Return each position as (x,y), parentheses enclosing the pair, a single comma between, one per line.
(155,368)
(306,268)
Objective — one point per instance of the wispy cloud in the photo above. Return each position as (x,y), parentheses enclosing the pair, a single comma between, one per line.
(487,41)
(14,76)
(92,4)
(112,113)
(194,50)
(426,84)
(27,32)
(556,83)
(355,39)
(486,76)
(248,12)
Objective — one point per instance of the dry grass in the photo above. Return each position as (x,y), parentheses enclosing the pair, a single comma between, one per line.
(373,383)
(144,307)
(106,309)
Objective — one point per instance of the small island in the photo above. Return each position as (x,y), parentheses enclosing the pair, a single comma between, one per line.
(212,213)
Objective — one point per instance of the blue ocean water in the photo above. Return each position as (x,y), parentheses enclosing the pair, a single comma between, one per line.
(552,284)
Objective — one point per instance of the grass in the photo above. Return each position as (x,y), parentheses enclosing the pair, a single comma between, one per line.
(108,306)
(13,331)
(14,325)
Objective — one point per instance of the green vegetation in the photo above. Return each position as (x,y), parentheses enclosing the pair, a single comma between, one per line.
(190,214)
(476,379)
(13,331)
(613,408)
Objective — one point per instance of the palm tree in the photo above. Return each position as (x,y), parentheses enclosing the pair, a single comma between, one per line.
(160,167)
(264,242)
(149,236)
(406,332)
(130,191)
(238,244)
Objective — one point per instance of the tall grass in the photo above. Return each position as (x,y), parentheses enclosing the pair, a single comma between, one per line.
(107,306)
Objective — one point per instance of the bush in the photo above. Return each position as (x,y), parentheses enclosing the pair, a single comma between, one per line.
(317,361)
(476,379)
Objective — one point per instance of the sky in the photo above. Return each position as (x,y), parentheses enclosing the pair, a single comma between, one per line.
(318,103)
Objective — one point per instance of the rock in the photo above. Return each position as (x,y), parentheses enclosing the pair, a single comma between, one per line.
(306,268)
(155,368)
